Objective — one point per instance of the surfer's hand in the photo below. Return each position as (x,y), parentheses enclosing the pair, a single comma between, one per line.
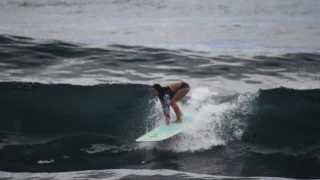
(167,122)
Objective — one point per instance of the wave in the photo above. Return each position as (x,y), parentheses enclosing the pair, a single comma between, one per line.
(39,108)
(275,117)
(63,127)
(72,107)
(285,117)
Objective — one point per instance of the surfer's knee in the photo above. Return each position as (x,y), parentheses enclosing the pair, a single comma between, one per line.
(174,103)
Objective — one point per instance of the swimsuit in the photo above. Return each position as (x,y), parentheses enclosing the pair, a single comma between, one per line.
(166,97)
(184,85)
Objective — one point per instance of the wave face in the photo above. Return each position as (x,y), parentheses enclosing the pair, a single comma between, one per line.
(291,115)
(62,108)
(50,125)
(111,109)
(72,107)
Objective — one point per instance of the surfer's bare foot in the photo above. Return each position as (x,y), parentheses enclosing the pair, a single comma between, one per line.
(178,121)
(167,122)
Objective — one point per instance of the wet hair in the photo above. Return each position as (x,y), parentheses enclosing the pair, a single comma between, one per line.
(159,88)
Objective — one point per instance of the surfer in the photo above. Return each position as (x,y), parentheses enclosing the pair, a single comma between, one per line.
(169,96)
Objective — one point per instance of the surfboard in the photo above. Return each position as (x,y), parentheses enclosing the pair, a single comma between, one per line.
(164,132)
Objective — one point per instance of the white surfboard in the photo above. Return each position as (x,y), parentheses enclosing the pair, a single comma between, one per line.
(164,132)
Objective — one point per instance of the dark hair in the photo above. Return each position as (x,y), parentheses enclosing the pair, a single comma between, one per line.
(159,89)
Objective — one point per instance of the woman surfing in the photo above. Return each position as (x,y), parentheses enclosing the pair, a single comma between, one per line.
(169,96)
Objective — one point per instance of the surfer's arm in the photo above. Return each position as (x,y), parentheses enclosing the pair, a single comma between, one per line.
(166,107)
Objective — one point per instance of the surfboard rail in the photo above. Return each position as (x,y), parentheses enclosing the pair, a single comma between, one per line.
(163,132)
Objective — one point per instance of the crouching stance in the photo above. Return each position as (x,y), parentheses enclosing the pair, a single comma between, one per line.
(169,96)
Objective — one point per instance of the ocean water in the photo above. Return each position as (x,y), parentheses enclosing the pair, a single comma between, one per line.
(75,80)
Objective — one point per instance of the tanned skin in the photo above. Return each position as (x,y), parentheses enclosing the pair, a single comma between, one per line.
(177,97)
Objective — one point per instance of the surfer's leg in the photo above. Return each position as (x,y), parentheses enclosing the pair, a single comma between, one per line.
(177,97)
